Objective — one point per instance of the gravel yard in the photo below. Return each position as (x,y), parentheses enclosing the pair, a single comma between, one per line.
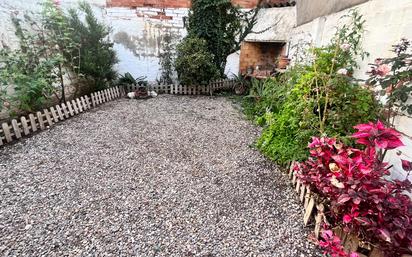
(169,176)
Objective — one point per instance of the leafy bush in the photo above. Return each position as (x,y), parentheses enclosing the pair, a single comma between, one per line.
(332,245)
(194,64)
(354,182)
(128,79)
(266,97)
(54,47)
(97,57)
(393,76)
(319,99)
(59,43)
(32,70)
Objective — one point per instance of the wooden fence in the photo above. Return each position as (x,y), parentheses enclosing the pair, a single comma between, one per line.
(223,84)
(315,214)
(26,125)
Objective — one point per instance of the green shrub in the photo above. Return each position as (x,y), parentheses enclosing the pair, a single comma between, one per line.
(314,100)
(194,64)
(33,69)
(97,56)
(54,47)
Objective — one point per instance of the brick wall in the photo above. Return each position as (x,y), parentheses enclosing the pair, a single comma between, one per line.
(178,3)
(254,54)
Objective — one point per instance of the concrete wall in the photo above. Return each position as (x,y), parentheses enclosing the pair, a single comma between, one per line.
(136,31)
(308,10)
(138,34)
(386,23)
(273,25)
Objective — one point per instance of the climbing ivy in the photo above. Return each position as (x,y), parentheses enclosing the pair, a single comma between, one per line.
(222,25)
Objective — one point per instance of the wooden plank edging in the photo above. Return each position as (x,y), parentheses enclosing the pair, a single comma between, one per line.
(315,211)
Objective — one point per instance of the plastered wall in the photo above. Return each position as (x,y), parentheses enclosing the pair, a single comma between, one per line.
(386,23)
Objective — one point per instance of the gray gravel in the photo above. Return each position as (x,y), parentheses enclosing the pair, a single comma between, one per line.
(170,176)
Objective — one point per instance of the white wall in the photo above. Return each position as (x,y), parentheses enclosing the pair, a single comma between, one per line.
(232,65)
(137,32)
(138,36)
(386,23)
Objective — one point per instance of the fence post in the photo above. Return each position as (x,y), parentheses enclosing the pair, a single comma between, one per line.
(16,128)
(33,123)
(24,125)
(6,131)
(40,120)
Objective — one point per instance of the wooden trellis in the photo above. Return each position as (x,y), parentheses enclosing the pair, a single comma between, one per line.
(314,214)
(26,125)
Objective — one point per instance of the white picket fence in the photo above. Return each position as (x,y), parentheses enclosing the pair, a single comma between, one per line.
(26,125)
(223,84)
(18,128)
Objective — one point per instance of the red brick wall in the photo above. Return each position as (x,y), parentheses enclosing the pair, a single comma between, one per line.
(245,3)
(171,3)
(254,54)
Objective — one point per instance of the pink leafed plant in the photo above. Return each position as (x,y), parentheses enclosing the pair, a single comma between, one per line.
(332,245)
(354,181)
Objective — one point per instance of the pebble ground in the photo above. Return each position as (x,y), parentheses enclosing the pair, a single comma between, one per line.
(168,176)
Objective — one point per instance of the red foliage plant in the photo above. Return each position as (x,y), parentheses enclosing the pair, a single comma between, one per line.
(363,200)
(333,246)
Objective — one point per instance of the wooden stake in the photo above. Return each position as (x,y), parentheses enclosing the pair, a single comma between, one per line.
(309,210)
(79,105)
(307,197)
(54,114)
(318,220)
(302,193)
(84,104)
(65,110)
(6,131)
(74,105)
(40,120)
(89,106)
(93,99)
(16,128)
(69,106)
(33,123)
(48,117)
(297,185)
(24,125)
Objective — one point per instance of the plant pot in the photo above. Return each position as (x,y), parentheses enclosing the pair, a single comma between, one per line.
(283,62)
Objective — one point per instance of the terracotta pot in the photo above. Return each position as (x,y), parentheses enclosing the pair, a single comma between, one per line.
(283,62)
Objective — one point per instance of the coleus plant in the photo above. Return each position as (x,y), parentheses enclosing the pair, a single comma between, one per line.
(355,182)
(333,245)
